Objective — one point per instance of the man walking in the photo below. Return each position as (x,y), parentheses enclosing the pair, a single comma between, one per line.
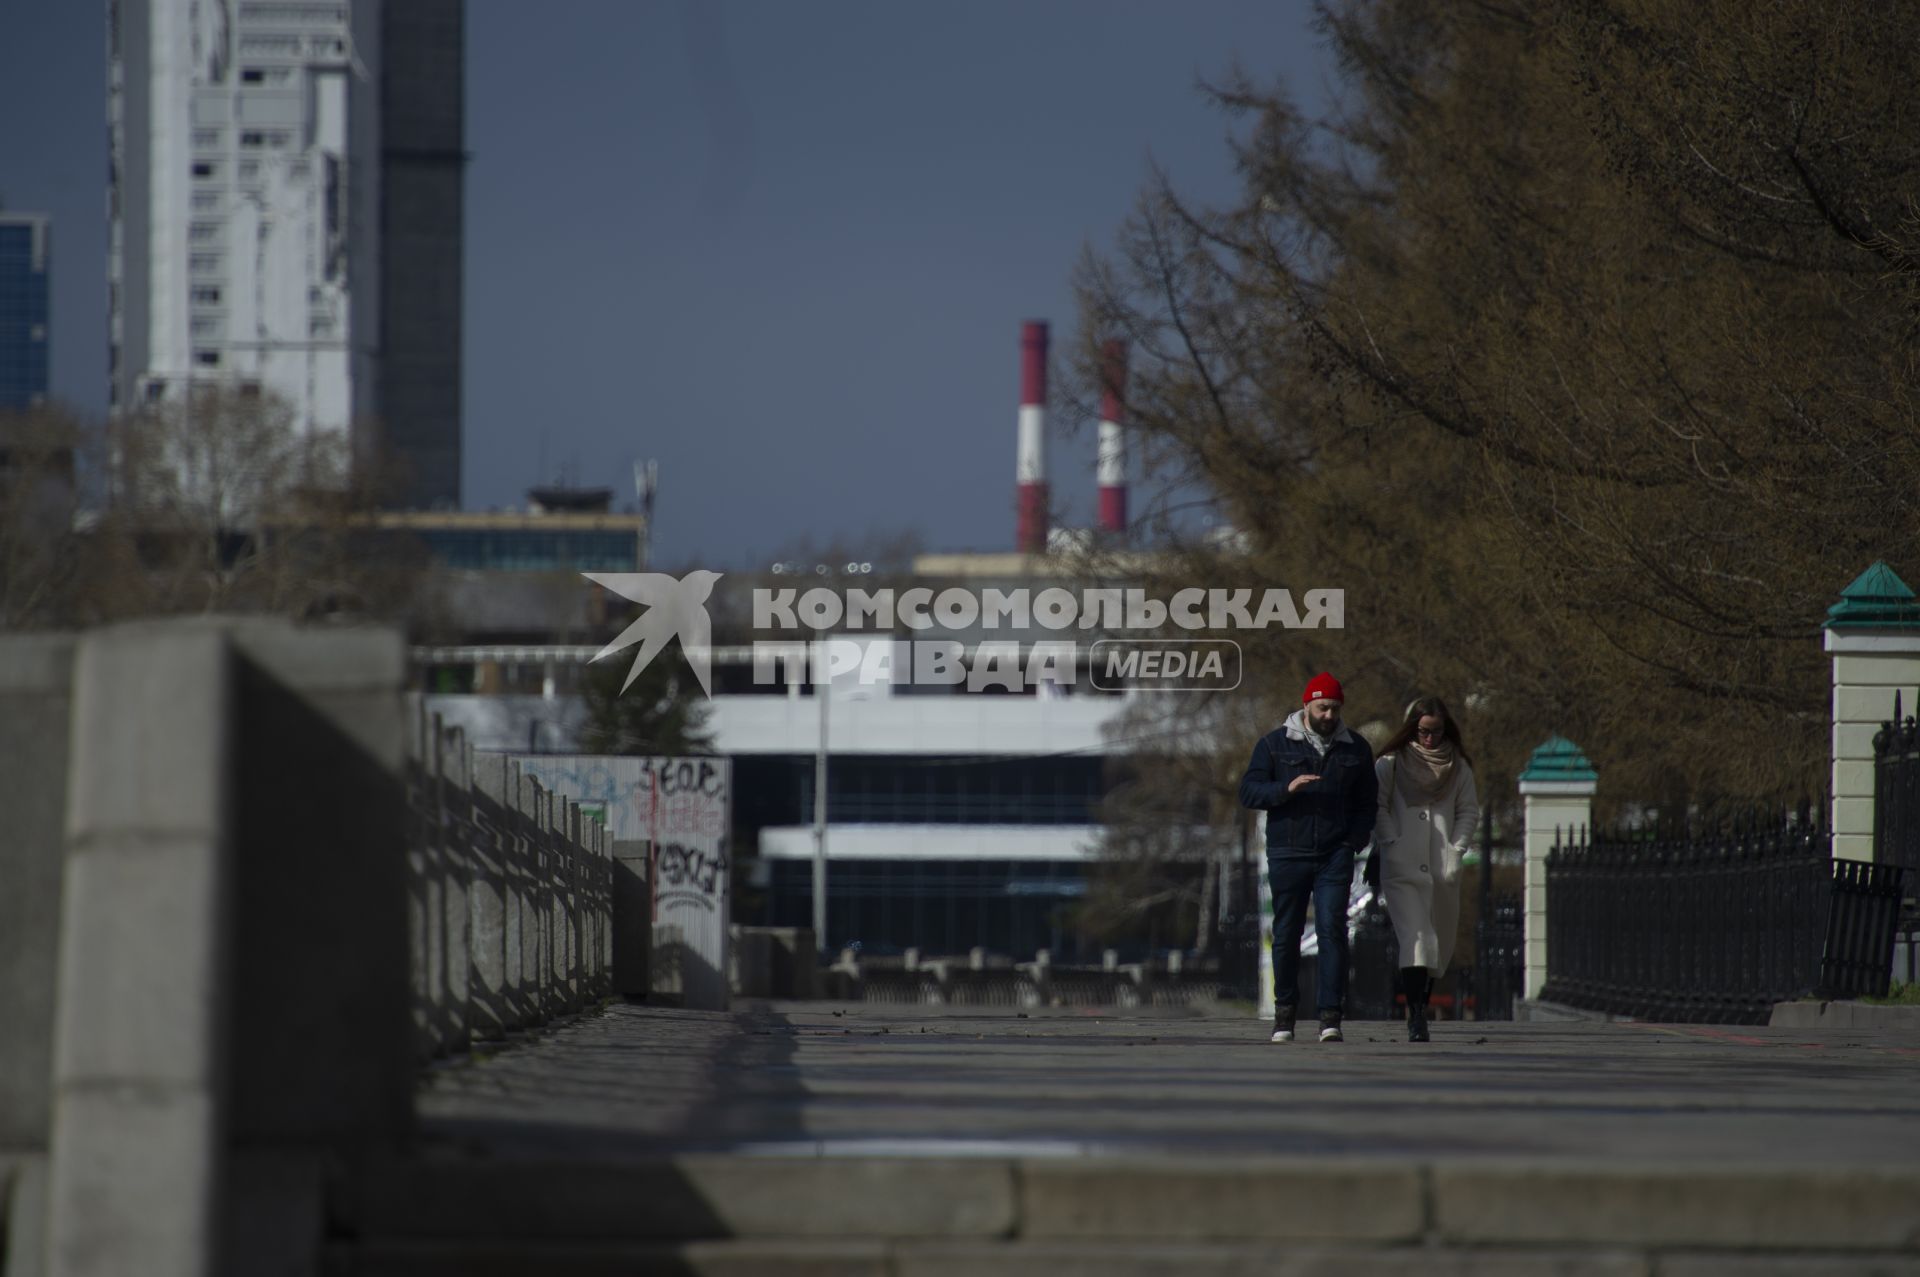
(1315,781)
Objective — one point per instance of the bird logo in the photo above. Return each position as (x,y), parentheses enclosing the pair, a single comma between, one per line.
(674,608)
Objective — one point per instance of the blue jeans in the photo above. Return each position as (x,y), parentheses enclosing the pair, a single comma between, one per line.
(1330,883)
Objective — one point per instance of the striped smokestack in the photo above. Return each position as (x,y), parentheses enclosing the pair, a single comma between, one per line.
(1030,468)
(1113,438)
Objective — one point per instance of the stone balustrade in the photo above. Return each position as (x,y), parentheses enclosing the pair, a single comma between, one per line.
(246,890)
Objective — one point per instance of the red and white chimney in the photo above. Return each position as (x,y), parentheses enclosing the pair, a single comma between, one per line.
(1030,467)
(1113,438)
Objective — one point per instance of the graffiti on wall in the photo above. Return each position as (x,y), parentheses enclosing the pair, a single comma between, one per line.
(680,805)
(688,828)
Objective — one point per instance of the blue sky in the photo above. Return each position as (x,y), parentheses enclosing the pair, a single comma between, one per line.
(784,248)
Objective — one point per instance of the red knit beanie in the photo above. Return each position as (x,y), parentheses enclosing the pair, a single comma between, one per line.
(1324,687)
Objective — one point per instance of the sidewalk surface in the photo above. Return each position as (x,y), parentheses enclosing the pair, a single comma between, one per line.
(860,1080)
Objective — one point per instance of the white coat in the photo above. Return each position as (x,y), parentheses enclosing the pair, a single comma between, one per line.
(1417,845)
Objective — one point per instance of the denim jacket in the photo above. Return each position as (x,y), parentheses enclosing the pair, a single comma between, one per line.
(1335,812)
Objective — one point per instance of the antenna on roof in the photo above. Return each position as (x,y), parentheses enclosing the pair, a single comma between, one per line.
(646,481)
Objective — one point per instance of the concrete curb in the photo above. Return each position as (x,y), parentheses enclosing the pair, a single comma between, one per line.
(1790,1015)
(688,1198)
(1185,1199)
(1015,1259)
(1842,1015)
(1666,1205)
(1455,1205)
(1534,1011)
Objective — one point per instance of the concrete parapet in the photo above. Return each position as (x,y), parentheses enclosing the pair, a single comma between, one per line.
(36,674)
(321,1038)
(23,1214)
(244,894)
(146,913)
(233,956)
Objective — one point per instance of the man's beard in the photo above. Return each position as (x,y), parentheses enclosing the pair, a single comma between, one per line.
(1326,727)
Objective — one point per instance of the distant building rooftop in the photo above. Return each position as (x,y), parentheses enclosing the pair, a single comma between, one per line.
(417,520)
(578,533)
(573,500)
(1015,564)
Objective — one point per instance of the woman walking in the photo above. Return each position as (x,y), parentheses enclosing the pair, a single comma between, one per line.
(1427,815)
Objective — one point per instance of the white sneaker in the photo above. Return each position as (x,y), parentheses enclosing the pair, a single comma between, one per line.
(1331,1033)
(1282,1035)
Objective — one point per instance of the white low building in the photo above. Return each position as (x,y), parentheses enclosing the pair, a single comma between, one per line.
(953,819)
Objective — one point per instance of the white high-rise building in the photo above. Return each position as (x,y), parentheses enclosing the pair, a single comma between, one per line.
(245,201)
(287,210)
(287,214)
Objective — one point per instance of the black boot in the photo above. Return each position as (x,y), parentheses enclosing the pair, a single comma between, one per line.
(1419,985)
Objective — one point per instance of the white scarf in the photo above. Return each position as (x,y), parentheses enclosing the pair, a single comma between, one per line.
(1424,774)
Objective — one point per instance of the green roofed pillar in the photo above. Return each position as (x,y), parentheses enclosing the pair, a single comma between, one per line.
(1556,790)
(1873,637)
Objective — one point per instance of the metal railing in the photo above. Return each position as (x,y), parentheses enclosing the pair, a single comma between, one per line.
(973,980)
(1714,927)
(1863,915)
(1498,973)
(1896,819)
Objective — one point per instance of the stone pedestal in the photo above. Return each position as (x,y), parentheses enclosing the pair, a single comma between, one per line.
(1557,789)
(1873,638)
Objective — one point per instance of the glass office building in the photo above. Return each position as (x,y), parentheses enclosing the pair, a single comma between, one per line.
(532,549)
(943,906)
(476,541)
(23,310)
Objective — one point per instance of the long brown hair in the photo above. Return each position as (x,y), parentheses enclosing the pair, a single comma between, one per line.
(1419,709)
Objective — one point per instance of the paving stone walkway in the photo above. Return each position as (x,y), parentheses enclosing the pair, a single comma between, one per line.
(814,1079)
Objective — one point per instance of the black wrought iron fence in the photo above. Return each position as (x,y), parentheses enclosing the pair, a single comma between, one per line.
(1499,968)
(1496,977)
(1714,927)
(1896,819)
(1863,917)
(1240,954)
